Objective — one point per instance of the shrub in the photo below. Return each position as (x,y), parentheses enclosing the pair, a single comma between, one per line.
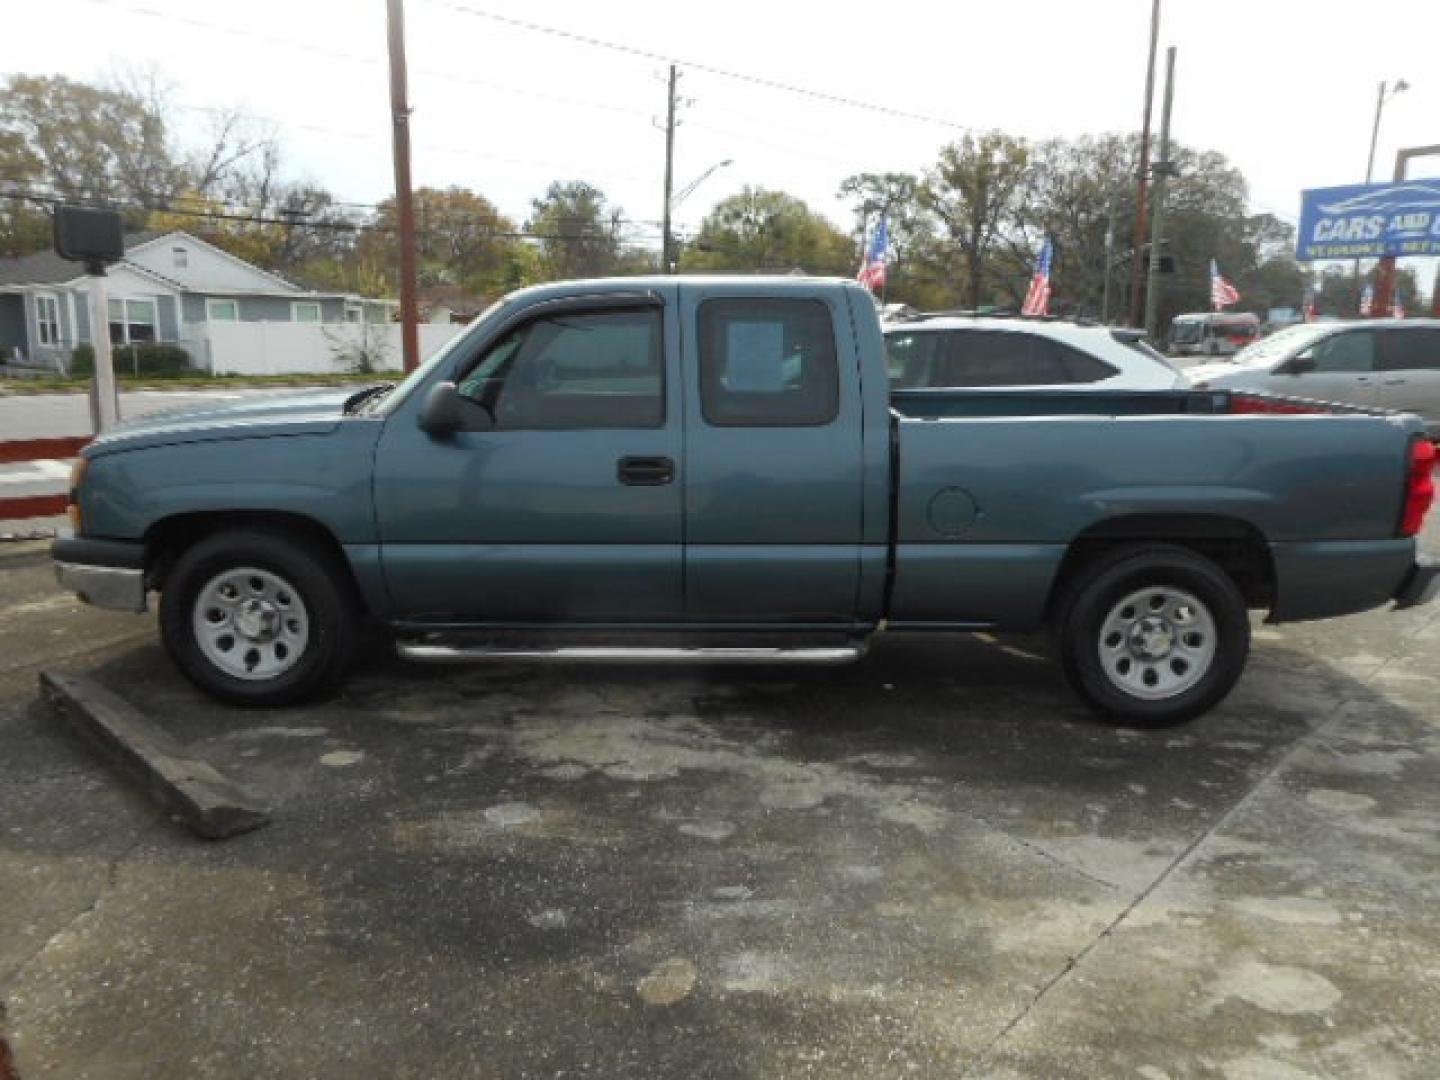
(150,358)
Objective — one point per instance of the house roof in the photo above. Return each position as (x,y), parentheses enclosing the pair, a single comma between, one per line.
(47,268)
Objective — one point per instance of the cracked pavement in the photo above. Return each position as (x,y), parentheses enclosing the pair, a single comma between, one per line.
(931,863)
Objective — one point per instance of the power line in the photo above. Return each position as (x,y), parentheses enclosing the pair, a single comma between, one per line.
(49,199)
(710,69)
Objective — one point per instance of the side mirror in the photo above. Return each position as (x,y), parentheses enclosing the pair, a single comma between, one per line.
(446,412)
(1300,365)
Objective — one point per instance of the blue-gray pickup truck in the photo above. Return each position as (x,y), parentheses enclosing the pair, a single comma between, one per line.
(717,469)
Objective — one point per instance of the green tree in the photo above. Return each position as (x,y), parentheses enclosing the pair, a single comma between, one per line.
(974,191)
(760,231)
(91,142)
(580,231)
(461,239)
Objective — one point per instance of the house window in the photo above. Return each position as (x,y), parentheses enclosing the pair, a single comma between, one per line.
(131,320)
(181,258)
(305,311)
(353,312)
(47,319)
(222,310)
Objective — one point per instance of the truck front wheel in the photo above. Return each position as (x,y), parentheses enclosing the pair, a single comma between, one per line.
(1152,634)
(258,618)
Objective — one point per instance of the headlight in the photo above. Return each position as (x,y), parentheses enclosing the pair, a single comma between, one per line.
(77,477)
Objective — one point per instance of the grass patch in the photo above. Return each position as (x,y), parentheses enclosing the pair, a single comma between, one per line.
(58,385)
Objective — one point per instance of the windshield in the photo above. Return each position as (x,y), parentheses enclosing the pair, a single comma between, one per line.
(1283,343)
(388,403)
(1186,331)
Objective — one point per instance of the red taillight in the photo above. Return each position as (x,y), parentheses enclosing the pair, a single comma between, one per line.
(1419,486)
(1272,406)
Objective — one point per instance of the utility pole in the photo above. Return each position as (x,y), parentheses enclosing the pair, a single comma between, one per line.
(1142,184)
(1163,170)
(665,244)
(404,200)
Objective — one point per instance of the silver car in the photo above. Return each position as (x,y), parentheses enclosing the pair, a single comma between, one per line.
(1380,363)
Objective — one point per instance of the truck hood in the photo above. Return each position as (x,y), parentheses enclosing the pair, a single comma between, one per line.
(287,413)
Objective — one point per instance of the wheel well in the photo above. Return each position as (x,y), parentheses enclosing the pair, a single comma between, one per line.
(167,538)
(1236,546)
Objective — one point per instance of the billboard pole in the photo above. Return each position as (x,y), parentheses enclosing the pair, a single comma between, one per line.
(1384,300)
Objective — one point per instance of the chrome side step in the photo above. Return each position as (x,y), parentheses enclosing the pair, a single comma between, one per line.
(436,653)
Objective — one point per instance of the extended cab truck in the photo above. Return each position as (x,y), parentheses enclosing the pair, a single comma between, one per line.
(718,469)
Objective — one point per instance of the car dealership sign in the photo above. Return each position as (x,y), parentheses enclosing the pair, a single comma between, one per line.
(1369,220)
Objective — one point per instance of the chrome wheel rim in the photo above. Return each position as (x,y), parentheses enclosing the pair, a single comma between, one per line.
(251,623)
(1157,643)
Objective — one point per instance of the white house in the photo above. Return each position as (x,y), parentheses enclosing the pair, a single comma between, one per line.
(171,287)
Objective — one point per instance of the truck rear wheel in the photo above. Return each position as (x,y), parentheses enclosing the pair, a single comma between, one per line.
(1153,634)
(258,618)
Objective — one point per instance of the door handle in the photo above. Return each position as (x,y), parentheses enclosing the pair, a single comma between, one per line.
(1394,382)
(645,471)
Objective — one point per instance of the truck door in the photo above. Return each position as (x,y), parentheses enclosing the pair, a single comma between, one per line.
(773,490)
(567,510)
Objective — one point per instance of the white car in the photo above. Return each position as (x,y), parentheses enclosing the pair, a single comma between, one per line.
(1379,363)
(994,352)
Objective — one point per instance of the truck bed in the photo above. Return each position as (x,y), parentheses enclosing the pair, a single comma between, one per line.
(946,404)
(994,486)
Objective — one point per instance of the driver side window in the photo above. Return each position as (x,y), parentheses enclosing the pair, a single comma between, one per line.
(1351,352)
(591,370)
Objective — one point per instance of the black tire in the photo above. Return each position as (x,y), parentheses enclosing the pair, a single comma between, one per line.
(331,609)
(1091,598)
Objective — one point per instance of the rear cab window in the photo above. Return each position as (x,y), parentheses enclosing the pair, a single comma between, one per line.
(767,363)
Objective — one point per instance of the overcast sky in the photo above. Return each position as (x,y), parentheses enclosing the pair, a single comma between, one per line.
(1285,88)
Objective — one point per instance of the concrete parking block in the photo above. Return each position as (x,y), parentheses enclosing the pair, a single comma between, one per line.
(192,790)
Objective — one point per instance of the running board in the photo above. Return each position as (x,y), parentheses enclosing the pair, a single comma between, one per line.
(434,653)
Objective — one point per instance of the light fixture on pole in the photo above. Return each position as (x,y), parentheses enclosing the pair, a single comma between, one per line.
(679,197)
(1384,95)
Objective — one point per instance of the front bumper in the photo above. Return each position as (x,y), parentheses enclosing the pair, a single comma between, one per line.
(1421,585)
(105,573)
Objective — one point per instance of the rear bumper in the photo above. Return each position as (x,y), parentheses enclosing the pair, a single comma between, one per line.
(106,573)
(1421,585)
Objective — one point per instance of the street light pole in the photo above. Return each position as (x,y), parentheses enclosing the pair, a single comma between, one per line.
(1163,169)
(1380,98)
(1142,184)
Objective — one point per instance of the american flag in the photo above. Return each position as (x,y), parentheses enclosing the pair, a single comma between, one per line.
(1367,301)
(1222,293)
(1037,300)
(872,270)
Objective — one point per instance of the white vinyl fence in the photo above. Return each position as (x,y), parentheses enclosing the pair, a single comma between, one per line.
(277,348)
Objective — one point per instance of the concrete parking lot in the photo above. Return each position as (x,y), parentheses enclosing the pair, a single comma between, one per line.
(933,863)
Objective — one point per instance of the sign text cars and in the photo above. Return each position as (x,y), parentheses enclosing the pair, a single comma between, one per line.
(1366,220)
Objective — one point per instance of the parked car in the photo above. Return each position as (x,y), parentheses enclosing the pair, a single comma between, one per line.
(1376,363)
(719,468)
(1212,334)
(998,351)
